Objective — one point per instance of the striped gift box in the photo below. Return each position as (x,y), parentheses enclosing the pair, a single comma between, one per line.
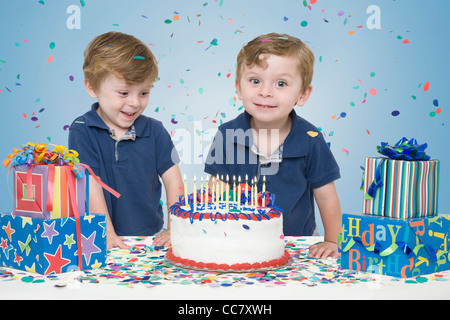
(400,189)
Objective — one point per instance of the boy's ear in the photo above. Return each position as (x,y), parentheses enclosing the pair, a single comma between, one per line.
(238,90)
(89,89)
(304,97)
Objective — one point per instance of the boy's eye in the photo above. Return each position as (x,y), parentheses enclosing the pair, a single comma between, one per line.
(254,81)
(281,84)
(143,94)
(123,93)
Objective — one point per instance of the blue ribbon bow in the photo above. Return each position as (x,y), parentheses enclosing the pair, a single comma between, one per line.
(405,149)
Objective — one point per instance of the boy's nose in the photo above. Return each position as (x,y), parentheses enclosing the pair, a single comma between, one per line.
(133,100)
(266,90)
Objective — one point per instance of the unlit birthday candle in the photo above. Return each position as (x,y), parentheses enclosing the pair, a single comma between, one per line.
(201,191)
(234,188)
(226,193)
(245,192)
(263,195)
(195,194)
(239,193)
(207,194)
(217,191)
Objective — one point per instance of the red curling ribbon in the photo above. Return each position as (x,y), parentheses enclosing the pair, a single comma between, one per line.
(73,202)
(104,186)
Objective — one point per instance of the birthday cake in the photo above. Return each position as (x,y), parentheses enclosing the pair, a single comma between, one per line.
(224,235)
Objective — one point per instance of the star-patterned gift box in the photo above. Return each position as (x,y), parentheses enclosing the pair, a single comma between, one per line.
(50,246)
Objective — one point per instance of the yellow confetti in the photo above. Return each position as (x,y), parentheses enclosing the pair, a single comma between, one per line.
(312,133)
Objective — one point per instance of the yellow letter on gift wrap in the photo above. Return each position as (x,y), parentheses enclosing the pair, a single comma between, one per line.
(394,235)
(350,227)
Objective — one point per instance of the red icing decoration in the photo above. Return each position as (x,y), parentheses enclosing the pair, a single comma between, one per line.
(237,266)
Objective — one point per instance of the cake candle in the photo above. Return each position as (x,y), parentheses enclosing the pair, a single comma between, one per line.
(245,192)
(194,194)
(256,194)
(264,192)
(221,188)
(206,194)
(201,191)
(217,193)
(234,188)
(226,192)
(239,193)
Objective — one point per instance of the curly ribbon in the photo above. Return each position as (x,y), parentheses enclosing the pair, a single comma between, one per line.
(38,153)
(404,149)
(402,246)
(376,183)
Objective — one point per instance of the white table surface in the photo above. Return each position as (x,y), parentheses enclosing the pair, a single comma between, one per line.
(66,286)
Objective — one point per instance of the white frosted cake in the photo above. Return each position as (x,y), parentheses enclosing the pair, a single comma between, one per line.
(240,238)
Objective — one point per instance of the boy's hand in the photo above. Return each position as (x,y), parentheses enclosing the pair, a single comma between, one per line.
(324,250)
(162,239)
(112,240)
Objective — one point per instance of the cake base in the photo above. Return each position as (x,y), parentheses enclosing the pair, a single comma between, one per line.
(238,267)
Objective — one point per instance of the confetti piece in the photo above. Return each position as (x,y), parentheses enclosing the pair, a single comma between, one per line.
(312,133)
(246,227)
(50,58)
(395,113)
(138,58)
(71,78)
(405,41)
(51,45)
(345,150)
(426,86)
(351,32)
(340,13)
(435,102)
(304,23)
(373,92)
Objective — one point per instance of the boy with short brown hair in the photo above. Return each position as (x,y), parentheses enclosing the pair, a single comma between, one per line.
(126,149)
(274,74)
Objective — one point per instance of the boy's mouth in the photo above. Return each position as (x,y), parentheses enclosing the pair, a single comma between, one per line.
(128,114)
(265,106)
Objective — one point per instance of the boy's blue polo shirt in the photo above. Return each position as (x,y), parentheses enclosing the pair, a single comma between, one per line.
(131,167)
(307,163)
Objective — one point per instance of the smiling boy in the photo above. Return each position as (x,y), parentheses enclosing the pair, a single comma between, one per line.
(127,150)
(273,75)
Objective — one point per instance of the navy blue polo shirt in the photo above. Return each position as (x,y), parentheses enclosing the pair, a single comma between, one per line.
(132,167)
(306,163)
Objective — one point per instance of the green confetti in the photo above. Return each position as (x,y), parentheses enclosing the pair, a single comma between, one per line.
(138,58)
(304,23)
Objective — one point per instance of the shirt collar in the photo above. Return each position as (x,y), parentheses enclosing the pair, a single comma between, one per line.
(296,143)
(92,119)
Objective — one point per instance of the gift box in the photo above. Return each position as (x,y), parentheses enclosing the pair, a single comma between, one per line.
(51,229)
(405,185)
(52,246)
(42,191)
(395,247)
